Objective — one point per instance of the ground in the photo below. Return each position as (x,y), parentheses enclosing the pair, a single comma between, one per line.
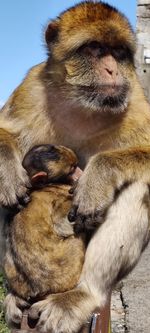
(3,326)
(130,306)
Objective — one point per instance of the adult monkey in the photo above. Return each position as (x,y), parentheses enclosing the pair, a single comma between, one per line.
(86,96)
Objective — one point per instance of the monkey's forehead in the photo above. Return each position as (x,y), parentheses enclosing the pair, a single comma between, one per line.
(92,21)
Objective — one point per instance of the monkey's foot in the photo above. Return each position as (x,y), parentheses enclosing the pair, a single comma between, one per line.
(13,307)
(63,313)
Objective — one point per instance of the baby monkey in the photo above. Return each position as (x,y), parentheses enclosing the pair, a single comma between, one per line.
(43,255)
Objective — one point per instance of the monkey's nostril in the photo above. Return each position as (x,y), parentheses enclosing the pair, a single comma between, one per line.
(109,71)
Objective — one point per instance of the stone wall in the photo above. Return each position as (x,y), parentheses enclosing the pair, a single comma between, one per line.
(143,44)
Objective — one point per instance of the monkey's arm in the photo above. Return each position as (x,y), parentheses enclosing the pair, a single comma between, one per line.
(105,177)
(112,252)
(13,178)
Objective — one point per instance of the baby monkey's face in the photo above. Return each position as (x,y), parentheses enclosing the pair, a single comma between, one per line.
(49,163)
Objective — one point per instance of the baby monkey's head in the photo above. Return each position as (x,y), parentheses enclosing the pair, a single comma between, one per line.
(48,163)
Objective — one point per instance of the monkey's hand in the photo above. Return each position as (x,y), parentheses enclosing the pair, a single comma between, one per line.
(14,182)
(105,176)
(64,313)
(13,307)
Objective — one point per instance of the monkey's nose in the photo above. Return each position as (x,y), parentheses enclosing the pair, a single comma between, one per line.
(111,72)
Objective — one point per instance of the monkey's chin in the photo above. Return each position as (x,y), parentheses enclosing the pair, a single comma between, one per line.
(107,107)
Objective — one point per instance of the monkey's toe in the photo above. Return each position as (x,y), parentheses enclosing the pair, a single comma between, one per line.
(65,312)
(13,314)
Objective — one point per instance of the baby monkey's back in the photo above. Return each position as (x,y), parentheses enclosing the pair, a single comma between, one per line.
(43,255)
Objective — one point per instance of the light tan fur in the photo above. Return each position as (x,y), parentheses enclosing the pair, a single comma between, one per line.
(87,97)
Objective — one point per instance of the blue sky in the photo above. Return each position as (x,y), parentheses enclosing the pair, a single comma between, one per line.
(22,25)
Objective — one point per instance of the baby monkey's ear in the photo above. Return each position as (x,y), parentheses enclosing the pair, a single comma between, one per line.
(39,179)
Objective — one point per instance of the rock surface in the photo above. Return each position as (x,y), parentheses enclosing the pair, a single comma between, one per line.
(130,308)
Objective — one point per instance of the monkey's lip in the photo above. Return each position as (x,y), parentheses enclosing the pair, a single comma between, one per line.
(76,174)
(103,87)
(109,88)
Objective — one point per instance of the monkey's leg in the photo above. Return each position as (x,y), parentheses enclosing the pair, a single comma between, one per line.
(112,252)
(116,246)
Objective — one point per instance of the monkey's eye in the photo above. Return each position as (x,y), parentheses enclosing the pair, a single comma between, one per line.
(91,49)
(122,53)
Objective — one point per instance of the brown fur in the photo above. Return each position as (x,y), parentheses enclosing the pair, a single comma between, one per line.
(87,96)
(43,255)
(94,25)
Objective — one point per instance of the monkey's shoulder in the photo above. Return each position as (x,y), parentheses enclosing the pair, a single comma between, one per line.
(30,88)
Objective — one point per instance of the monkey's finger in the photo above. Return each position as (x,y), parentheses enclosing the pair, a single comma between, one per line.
(14,208)
(99,216)
(17,207)
(33,315)
(35,311)
(13,314)
(79,226)
(28,185)
(72,215)
(89,222)
(24,200)
(72,189)
(22,304)
(19,204)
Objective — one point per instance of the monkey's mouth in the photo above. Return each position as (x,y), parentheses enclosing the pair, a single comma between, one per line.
(75,174)
(113,98)
(109,89)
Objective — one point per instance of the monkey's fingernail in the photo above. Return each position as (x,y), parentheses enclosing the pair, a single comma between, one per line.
(72,214)
(23,201)
(71,190)
(26,199)
(29,186)
(71,217)
(20,207)
(33,315)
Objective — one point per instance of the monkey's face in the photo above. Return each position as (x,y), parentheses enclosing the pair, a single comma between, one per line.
(95,44)
(100,76)
(48,163)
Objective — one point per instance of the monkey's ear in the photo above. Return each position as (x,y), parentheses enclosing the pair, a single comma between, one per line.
(40,178)
(51,32)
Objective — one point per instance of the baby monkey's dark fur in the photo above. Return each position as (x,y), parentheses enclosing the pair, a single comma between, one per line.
(43,255)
